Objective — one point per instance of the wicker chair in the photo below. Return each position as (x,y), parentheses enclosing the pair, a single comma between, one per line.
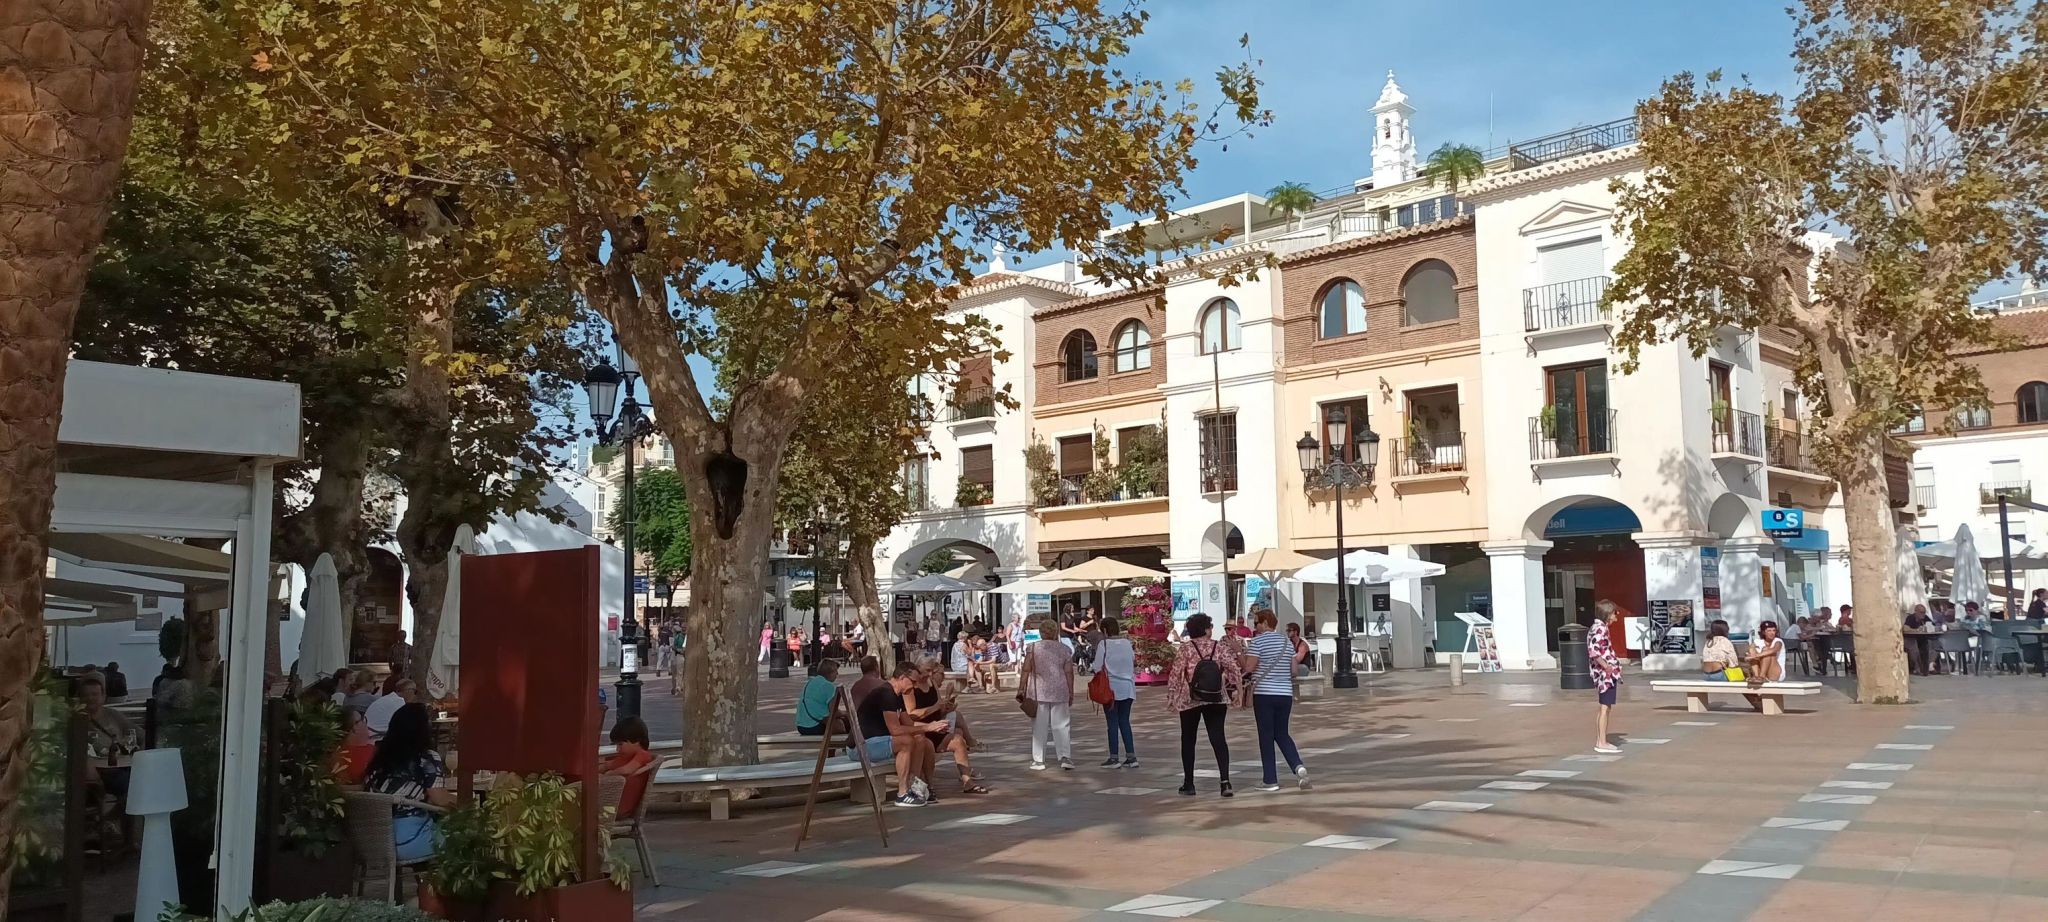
(369,819)
(611,791)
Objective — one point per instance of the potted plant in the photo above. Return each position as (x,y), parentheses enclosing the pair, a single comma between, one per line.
(1148,620)
(308,855)
(514,859)
(1547,418)
(971,493)
(1041,477)
(1142,470)
(323,909)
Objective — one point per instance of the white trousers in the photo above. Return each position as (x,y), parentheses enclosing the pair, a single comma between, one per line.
(1054,720)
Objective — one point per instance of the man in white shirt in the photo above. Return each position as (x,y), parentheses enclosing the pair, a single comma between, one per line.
(378,715)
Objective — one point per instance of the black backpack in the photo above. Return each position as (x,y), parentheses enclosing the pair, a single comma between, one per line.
(1206,685)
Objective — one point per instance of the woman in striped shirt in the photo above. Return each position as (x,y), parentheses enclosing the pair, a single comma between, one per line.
(1272,656)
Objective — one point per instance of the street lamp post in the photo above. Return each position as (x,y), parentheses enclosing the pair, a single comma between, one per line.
(817,579)
(1337,473)
(624,429)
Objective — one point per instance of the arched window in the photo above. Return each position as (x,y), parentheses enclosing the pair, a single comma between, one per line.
(1219,327)
(1133,346)
(2033,402)
(1341,309)
(1430,292)
(1077,356)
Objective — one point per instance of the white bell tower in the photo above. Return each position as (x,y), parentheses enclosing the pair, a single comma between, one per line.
(1393,148)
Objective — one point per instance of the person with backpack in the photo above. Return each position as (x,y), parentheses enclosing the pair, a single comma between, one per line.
(1206,677)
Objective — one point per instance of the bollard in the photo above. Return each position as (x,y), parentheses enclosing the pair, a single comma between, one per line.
(1457,669)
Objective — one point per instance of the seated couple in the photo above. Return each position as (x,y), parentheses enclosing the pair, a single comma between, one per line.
(1765,663)
(973,655)
(913,731)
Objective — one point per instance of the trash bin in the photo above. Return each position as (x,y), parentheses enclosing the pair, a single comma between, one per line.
(779,660)
(1574,667)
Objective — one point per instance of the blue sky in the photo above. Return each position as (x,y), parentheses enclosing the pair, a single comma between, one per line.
(1523,68)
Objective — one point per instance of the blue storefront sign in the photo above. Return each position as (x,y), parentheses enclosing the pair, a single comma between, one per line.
(1783,523)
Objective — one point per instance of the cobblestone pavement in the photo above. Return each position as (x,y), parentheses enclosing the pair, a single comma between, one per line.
(1437,803)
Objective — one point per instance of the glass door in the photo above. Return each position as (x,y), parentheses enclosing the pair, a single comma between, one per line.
(1577,395)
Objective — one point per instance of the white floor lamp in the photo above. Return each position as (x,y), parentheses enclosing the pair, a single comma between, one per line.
(156,789)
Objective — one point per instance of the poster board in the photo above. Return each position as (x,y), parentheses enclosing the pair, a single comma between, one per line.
(1186,592)
(1710,581)
(1666,614)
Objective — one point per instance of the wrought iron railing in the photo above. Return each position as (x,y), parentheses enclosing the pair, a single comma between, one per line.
(1738,432)
(1437,453)
(1573,142)
(1564,304)
(1989,492)
(1560,434)
(974,404)
(1786,448)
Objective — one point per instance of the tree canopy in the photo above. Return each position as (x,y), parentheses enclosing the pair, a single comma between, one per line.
(1861,215)
(661,515)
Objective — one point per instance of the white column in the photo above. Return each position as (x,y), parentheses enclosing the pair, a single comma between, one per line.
(1518,622)
(1671,571)
(1742,579)
(241,741)
(1406,615)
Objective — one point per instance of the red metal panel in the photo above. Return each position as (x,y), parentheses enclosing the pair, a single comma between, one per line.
(529,662)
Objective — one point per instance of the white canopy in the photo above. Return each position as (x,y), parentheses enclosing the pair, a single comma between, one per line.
(322,649)
(937,584)
(1099,573)
(1367,568)
(1039,585)
(2024,556)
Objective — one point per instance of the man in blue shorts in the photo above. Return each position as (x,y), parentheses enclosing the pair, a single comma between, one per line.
(887,730)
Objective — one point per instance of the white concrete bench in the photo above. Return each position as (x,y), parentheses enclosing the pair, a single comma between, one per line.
(771,741)
(1770,695)
(719,781)
(1006,676)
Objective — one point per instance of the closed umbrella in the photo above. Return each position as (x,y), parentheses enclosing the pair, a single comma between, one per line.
(1969,582)
(1912,585)
(321,647)
(444,678)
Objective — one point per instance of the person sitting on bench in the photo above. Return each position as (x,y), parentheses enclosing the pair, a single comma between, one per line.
(815,704)
(1718,656)
(1766,660)
(887,730)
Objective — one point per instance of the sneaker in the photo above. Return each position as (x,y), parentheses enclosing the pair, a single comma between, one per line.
(1269,787)
(1606,749)
(1038,766)
(1130,761)
(1112,762)
(1066,765)
(1188,789)
(1301,777)
(921,790)
(908,800)
(1227,792)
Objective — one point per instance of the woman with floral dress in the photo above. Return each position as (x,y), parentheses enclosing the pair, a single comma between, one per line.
(1606,666)
(1202,706)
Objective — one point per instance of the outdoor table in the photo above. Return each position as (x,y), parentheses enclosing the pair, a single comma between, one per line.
(1921,641)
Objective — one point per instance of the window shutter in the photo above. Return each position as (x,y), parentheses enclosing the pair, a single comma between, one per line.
(1567,262)
(979,464)
(1077,455)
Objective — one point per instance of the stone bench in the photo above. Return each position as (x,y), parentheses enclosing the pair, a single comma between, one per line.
(1770,695)
(719,781)
(1006,675)
(791,741)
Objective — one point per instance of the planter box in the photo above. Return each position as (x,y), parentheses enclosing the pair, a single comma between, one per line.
(1142,677)
(590,901)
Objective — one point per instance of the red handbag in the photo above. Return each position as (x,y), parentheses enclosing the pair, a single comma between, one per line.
(1099,690)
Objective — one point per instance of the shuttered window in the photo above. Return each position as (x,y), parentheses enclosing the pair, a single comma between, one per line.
(1077,455)
(979,465)
(1569,262)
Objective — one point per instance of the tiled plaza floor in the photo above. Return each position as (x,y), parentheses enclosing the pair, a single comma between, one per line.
(1434,803)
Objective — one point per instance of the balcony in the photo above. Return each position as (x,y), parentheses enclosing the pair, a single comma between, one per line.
(1565,305)
(1586,139)
(1923,495)
(1738,433)
(1438,453)
(1367,222)
(1989,493)
(1556,436)
(1786,450)
(971,405)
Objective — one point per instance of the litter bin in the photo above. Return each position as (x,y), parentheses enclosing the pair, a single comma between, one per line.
(1574,667)
(779,659)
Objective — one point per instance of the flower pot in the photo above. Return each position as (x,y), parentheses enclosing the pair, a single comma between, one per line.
(434,904)
(589,901)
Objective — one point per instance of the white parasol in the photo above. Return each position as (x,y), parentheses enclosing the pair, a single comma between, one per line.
(1906,567)
(444,678)
(1969,583)
(1369,568)
(322,650)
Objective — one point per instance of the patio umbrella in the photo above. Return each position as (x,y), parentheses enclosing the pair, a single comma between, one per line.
(1039,585)
(1101,573)
(322,650)
(1906,565)
(1969,583)
(1269,562)
(1369,567)
(444,677)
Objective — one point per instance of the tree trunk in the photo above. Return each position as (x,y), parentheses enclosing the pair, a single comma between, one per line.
(867,603)
(424,471)
(720,684)
(1881,675)
(68,72)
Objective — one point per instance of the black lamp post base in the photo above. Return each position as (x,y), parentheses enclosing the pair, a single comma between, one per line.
(1346,679)
(627,693)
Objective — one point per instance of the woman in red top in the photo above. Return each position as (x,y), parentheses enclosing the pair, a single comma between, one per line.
(1199,705)
(352,757)
(632,760)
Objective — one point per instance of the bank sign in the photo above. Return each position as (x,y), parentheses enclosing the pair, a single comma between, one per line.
(1783,523)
